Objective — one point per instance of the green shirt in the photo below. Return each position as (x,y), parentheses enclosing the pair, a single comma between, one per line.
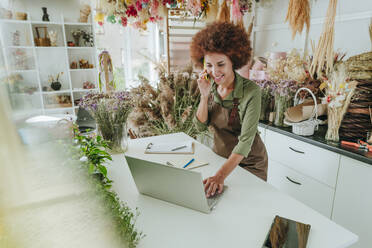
(249,95)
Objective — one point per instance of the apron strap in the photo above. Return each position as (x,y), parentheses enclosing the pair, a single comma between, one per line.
(234,112)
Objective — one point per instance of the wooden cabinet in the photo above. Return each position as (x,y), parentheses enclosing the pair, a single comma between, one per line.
(353,200)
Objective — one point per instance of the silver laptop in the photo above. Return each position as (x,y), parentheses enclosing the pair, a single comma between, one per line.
(174,185)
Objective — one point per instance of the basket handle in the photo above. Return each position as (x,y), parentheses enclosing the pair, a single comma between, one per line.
(315,111)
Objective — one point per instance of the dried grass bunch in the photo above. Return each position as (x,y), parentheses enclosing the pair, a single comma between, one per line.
(169,108)
(338,95)
(370,32)
(323,53)
(293,67)
(298,14)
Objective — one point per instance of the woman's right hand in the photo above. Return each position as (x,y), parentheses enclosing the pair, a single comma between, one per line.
(204,84)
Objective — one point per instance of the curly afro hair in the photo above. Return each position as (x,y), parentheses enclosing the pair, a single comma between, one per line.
(221,37)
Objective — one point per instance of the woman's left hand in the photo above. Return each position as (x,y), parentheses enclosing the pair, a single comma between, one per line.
(212,185)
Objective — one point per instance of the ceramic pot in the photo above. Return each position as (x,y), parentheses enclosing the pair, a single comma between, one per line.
(56,85)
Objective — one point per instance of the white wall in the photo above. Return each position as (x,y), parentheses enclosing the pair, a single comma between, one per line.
(351,28)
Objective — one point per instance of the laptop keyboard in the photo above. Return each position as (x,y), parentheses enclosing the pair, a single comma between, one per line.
(213,199)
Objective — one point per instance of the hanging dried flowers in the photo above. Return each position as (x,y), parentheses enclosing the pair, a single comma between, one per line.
(323,54)
(298,15)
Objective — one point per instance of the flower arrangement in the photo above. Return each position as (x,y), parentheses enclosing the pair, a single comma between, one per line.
(169,108)
(110,110)
(293,67)
(338,93)
(136,13)
(52,79)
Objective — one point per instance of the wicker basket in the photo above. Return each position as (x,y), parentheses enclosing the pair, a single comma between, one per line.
(305,128)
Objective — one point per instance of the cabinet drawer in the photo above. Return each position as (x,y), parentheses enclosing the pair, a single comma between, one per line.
(307,159)
(312,193)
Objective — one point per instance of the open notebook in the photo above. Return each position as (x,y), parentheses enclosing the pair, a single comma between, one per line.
(171,148)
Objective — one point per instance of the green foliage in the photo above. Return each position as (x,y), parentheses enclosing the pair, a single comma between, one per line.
(93,148)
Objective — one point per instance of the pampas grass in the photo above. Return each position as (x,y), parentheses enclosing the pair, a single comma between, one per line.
(323,54)
(223,12)
(370,32)
(169,108)
(339,93)
(298,15)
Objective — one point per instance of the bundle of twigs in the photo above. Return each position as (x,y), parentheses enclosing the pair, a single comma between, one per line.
(323,54)
(298,14)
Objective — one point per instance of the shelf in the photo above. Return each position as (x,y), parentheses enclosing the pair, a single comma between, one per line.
(20,47)
(84,90)
(47,23)
(90,69)
(56,92)
(15,21)
(36,93)
(57,109)
(22,71)
(49,47)
(78,23)
(80,47)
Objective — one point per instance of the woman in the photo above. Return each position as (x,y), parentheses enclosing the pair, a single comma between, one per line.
(229,103)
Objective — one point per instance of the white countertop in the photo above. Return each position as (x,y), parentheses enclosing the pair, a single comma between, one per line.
(242,217)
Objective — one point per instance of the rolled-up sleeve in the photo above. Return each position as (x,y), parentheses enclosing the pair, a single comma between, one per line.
(249,124)
(200,126)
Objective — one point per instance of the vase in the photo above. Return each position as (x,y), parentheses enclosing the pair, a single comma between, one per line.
(334,122)
(45,17)
(115,135)
(56,85)
(76,39)
(282,103)
(265,105)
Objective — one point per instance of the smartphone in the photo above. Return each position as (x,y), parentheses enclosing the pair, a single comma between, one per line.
(206,77)
(286,233)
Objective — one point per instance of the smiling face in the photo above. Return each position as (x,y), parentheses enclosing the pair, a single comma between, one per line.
(220,68)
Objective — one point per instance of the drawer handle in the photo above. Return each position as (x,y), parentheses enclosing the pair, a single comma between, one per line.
(292,181)
(296,150)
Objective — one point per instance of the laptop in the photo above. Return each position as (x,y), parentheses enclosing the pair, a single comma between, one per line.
(175,185)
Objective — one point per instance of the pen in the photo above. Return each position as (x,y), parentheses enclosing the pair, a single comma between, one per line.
(177,148)
(192,160)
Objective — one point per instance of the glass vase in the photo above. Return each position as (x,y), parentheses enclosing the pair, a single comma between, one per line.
(282,103)
(265,105)
(334,122)
(116,137)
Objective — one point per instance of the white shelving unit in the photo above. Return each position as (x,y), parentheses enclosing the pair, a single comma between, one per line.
(30,65)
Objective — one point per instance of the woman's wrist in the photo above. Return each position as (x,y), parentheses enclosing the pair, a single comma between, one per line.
(204,97)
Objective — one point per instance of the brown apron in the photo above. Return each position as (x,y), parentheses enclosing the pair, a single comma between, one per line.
(226,138)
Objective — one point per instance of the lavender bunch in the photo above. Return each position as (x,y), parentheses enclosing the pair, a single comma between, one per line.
(284,88)
(110,110)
